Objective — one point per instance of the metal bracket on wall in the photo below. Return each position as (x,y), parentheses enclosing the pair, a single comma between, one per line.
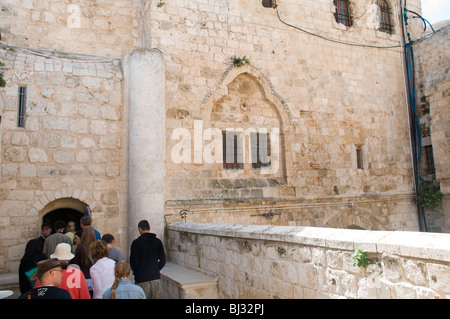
(269,215)
(183,214)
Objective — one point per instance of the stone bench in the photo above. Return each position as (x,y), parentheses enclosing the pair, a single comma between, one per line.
(178,282)
(10,281)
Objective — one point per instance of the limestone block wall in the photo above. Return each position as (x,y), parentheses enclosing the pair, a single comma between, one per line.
(432,57)
(382,212)
(70,147)
(313,263)
(106,28)
(329,100)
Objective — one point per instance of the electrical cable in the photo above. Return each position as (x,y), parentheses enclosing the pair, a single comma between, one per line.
(415,135)
(414,129)
(334,40)
(425,21)
(60,55)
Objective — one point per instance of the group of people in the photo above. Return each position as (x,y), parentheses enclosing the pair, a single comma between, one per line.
(82,264)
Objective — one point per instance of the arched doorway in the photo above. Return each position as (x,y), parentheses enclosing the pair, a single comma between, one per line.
(65,209)
(64,214)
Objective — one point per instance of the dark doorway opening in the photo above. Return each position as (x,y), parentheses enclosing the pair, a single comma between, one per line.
(64,214)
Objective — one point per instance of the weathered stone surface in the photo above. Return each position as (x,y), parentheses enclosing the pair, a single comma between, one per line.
(63,157)
(15,154)
(37,155)
(266,268)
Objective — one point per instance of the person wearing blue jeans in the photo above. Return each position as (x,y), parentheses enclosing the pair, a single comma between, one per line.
(147,258)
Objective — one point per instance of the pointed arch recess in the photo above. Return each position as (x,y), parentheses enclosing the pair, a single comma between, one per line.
(353,218)
(244,97)
(231,73)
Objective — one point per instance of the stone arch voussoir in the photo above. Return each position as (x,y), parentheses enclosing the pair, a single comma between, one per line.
(54,199)
(220,90)
(354,218)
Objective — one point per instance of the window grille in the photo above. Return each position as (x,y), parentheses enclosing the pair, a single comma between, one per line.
(385,17)
(21,106)
(342,14)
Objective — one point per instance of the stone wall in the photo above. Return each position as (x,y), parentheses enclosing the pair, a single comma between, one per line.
(104,27)
(329,101)
(432,58)
(313,263)
(70,147)
(382,212)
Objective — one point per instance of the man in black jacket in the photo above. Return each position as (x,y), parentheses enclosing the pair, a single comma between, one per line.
(147,258)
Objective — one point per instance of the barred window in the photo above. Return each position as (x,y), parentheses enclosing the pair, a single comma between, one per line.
(21,106)
(385,17)
(342,14)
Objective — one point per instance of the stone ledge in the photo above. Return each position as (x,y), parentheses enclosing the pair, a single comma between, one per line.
(178,282)
(435,246)
(9,281)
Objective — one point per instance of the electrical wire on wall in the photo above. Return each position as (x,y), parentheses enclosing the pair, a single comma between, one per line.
(335,40)
(59,55)
(415,134)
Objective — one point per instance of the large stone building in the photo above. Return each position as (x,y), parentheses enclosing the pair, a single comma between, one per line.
(207,111)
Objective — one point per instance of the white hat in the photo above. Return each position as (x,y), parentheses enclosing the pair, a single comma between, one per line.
(63,252)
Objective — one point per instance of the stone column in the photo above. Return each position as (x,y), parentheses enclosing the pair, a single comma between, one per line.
(146,141)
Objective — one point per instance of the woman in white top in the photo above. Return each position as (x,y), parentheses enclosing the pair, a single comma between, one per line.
(102,272)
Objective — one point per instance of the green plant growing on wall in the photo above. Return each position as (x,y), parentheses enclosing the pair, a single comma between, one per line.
(429,195)
(160,4)
(237,61)
(2,79)
(360,258)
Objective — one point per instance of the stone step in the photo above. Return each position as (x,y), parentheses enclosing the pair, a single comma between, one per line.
(178,282)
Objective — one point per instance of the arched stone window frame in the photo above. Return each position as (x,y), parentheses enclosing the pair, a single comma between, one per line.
(271,97)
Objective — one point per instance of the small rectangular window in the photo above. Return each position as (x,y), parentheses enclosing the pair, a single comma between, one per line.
(232,150)
(385,17)
(342,14)
(260,148)
(21,106)
(430,159)
(359,157)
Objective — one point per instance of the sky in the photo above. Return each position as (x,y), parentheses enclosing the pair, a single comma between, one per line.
(436,10)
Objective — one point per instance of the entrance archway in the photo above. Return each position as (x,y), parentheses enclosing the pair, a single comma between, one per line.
(64,214)
(65,209)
